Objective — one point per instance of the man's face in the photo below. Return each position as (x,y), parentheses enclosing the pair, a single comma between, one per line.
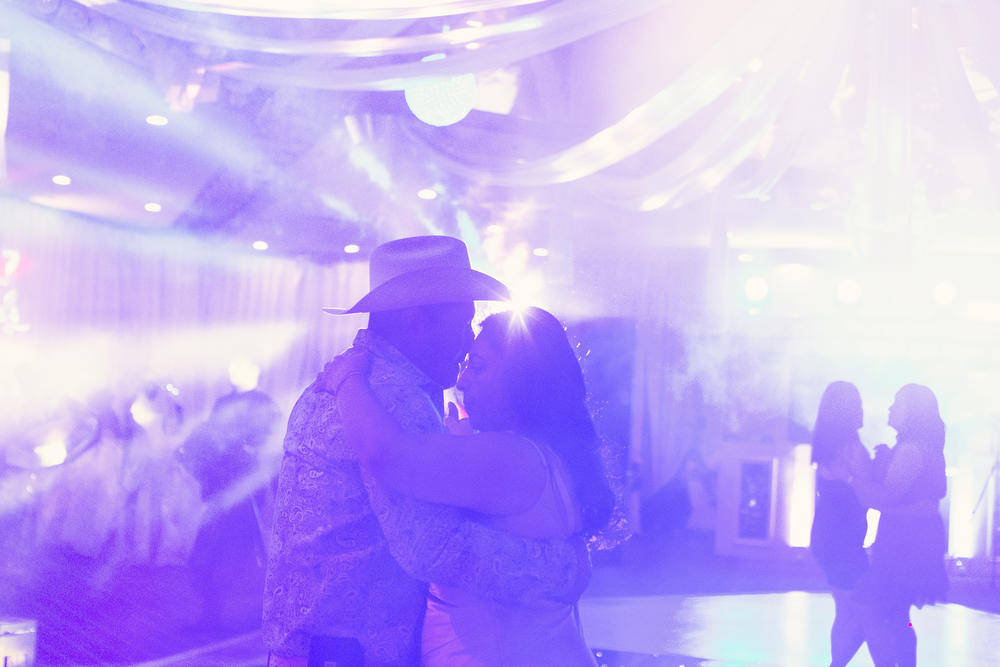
(447,329)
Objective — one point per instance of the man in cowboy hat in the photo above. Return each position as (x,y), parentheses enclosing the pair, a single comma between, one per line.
(349,559)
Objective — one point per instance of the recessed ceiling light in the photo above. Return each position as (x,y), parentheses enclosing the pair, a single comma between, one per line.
(157,120)
(849,291)
(944,293)
(260,245)
(427,193)
(61,179)
(494,229)
(541,252)
(755,288)
(352,248)
(153,207)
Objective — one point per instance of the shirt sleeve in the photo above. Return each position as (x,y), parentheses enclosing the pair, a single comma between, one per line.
(437,543)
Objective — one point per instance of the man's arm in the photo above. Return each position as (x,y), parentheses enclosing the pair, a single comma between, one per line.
(435,543)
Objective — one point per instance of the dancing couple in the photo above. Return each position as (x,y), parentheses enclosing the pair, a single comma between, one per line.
(405,534)
(873,595)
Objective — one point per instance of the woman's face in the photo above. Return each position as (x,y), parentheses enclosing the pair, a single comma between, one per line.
(483,388)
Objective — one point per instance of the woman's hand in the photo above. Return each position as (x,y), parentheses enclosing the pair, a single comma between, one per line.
(353,361)
(455,424)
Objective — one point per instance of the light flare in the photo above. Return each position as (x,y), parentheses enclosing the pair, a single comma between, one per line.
(53,451)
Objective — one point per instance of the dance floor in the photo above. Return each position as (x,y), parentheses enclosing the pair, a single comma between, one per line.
(788,629)
(772,629)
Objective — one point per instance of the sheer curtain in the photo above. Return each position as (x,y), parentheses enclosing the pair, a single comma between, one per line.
(115,310)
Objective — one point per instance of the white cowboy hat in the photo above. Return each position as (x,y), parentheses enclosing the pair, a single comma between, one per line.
(420,271)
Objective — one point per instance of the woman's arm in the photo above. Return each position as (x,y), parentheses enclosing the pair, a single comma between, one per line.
(904,468)
(494,473)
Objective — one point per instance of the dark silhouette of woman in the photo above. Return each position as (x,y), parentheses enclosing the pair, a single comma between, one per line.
(907,557)
(840,521)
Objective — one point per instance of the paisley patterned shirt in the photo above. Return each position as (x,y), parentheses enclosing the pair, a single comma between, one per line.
(350,558)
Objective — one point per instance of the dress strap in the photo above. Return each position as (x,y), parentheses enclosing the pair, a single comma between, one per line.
(562,496)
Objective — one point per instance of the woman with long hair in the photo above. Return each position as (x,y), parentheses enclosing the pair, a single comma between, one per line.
(907,557)
(840,521)
(531,467)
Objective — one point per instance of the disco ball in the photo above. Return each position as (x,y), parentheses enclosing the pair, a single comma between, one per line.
(442,101)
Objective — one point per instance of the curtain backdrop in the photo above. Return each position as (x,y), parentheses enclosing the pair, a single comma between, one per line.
(113,310)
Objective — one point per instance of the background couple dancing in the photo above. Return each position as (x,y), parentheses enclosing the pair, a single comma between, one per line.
(873,595)
(375,497)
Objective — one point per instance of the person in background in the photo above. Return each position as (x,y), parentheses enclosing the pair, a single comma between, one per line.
(840,520)
(532,468)
(223,453)
(907,557)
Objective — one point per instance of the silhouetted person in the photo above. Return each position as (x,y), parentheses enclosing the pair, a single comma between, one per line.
(907,557)
(227,562)
(840,521)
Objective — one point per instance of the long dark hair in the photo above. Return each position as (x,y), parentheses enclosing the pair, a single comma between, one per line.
(544,384)
(923,424)
(837,421)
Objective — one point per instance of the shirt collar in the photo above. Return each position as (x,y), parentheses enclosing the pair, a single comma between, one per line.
(403,369)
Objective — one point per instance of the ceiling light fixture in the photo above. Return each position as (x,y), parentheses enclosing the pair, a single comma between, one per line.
(260,245)
(427,193)
(153,207)
(755,288)
(157,120)
(848,291)
(944,293)
(61,179)
(352,248)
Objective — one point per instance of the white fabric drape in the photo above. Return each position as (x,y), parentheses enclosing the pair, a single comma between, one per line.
(343,9)
(4,99)
(116,310)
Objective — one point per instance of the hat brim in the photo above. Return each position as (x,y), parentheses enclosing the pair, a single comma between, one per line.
(426,287)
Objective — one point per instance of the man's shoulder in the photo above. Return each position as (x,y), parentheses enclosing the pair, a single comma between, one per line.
(312,401)
(314,420)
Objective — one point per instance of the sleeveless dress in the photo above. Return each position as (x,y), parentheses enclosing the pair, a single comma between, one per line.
(463,629)
(907,557)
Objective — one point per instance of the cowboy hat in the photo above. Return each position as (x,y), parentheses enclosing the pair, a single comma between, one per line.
(420,271)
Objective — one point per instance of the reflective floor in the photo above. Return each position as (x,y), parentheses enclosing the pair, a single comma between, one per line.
(771,629)
(789,629)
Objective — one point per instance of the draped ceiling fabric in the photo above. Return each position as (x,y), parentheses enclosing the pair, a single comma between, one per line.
(762,87)
(877,122)
(4,98)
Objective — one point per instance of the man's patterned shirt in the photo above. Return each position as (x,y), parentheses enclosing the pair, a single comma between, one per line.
(350,558)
